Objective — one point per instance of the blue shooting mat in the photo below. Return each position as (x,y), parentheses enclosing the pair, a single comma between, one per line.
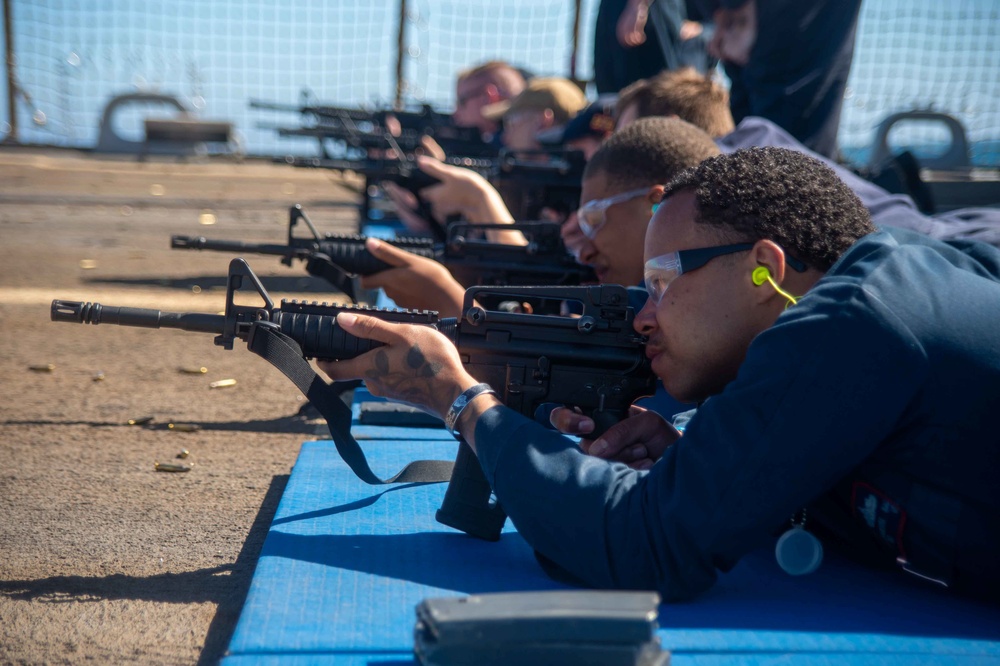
(344,564)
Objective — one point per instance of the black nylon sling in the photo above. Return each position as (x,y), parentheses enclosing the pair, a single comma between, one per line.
(284,353)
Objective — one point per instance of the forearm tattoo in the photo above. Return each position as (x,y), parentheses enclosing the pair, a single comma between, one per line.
(412,383)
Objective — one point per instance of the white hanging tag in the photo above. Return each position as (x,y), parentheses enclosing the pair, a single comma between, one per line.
(798,552)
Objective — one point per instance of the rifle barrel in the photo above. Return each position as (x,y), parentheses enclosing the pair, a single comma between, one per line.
(202,243)
(95,313)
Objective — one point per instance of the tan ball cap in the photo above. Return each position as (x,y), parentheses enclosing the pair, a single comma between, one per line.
(561,95)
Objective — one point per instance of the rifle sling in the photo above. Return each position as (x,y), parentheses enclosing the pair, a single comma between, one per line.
(284,353)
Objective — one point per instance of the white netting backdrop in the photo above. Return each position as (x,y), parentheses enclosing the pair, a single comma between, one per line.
(72,56)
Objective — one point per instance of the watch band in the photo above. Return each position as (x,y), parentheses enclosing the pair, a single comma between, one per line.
(462,401)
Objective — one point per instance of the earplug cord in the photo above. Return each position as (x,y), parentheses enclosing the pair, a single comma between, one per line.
(761,274)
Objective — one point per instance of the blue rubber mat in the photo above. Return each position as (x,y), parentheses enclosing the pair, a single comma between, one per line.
(677,659)
(345,563)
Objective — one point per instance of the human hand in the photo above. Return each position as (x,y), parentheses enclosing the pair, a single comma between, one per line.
(414,282)
(392,125)
(735,33)
(406,204)
(460,191)
(549,214)
(638,441)
(631,30)
(432,148)
(464,192)
(417,364)
(690,30)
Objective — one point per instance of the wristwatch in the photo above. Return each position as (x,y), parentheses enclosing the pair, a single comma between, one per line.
(461,402)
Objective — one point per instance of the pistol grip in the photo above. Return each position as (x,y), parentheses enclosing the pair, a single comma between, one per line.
(467,506)
(604,419)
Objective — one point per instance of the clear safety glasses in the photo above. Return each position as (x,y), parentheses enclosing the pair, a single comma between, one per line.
(591,214)
(660,271)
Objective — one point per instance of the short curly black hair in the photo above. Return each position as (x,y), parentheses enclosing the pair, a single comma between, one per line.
(650,151)
(781,195)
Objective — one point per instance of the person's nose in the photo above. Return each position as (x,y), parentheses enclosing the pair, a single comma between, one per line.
(572,236)
(585,251)
(645,319)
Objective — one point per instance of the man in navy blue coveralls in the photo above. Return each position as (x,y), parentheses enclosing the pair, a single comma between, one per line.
(787,61)
(703,103)
(870,400)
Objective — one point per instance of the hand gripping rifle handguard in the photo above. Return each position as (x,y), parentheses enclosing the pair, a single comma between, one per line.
(336,258)
(595,361)
(471,260)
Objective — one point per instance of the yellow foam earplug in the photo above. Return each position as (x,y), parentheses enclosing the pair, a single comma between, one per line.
(761,275)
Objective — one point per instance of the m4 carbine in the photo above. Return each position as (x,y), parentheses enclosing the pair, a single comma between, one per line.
(453,141)
(595,362)
(398,167)
(374,133)
(543,261)
(425,120)
(531,181)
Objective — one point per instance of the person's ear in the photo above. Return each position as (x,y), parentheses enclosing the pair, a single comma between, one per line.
(655,195)
(766,269)
(768,253)
(492,93)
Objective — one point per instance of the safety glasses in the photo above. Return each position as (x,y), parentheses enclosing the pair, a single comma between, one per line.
(660,271)
(591,214)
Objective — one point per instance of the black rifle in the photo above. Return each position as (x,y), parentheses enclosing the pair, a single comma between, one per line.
(544,261)
(424,119)
(528,181)
(595,362)
(382,128)
(531,181)
(401,169)
(407,141)
(381,145)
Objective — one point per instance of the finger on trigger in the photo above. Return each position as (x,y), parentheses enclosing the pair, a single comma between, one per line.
(638,452)
(584,425)
(556,417)
(568,421)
